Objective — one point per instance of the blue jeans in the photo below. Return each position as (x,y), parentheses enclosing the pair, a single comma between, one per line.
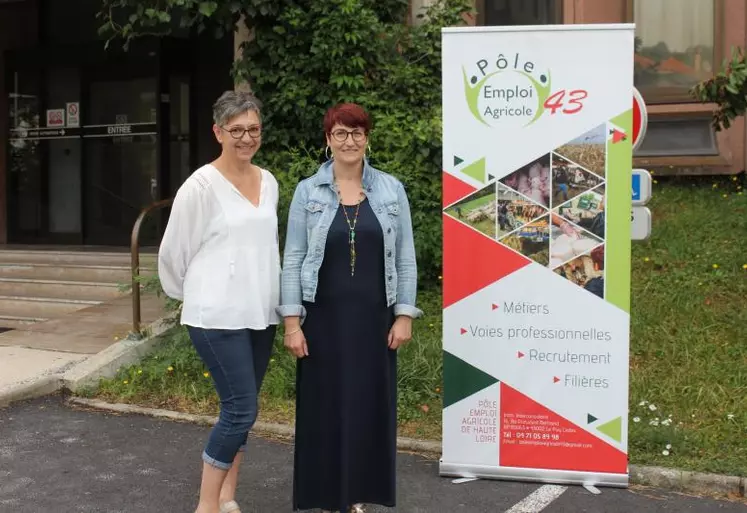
(237,361)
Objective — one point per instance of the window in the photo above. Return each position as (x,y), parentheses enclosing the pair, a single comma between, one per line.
(678,137)
(519,12)
(674,47)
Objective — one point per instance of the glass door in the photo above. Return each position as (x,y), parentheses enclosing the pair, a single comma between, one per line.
(25,156)
(121,157)
(179,133)
(44,156)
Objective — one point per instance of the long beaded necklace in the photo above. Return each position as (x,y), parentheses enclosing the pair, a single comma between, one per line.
(351,227)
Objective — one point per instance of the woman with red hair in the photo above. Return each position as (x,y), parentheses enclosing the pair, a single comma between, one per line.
(348,300)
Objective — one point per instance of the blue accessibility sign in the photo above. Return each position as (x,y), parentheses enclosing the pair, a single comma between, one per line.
(636,187)
(641,186)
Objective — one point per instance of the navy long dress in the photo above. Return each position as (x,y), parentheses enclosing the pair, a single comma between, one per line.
(346,404)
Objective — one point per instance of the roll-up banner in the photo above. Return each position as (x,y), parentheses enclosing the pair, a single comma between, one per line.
(537,158)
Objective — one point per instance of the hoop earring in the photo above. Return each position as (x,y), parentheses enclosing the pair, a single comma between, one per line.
(326,153)
(367,153)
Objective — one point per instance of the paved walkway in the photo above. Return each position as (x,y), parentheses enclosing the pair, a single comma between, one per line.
(85,331)
(50,347)
(54,458)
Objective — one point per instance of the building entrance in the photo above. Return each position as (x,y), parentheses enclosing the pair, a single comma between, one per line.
(93,140)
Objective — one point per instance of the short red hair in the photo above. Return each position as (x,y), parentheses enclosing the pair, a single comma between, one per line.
(349,114)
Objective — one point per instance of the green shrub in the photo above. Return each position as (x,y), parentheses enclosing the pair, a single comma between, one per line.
(727,89)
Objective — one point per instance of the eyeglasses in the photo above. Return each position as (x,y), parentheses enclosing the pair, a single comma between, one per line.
(237,132)
(342,135)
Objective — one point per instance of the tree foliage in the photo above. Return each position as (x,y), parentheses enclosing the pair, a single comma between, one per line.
(307,55)
(727,89)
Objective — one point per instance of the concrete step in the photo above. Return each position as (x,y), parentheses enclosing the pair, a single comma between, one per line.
(16,322)
(56,289)
(116,274)
(31,256)
(40,307)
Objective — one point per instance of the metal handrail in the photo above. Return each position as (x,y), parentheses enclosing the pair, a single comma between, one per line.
(135,260)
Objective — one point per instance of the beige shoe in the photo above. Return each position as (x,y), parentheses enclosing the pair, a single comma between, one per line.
(230,507)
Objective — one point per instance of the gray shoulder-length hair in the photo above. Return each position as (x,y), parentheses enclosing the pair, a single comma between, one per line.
(234,103)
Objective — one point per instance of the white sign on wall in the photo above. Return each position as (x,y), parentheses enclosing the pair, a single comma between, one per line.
(73,114)
(55,118)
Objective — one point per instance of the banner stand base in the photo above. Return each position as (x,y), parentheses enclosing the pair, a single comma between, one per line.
(545,476)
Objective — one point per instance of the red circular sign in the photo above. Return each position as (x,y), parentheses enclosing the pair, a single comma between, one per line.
(640,118)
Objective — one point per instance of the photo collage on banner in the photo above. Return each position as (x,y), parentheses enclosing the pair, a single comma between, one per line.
(536,253)
(551,210)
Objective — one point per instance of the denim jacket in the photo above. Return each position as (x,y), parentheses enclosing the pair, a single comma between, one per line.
(312,211)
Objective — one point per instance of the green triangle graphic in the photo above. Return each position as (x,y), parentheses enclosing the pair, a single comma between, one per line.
(462,379)
(612,429)
(590,418)
(476,170)
(457,160)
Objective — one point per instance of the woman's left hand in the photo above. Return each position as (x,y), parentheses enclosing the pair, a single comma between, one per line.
(401,332)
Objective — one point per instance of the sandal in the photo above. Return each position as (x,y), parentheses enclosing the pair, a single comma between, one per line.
(230,507)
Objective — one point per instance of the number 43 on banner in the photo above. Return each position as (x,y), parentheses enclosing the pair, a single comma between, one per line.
(567,102)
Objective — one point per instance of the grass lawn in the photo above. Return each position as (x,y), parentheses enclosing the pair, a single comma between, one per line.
(689,328)
(688,362)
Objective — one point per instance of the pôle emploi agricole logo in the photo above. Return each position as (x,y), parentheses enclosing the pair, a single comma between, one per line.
(509,89)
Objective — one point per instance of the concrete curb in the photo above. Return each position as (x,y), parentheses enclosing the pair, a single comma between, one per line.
(30,389)
(688,481)
(266,428)
(87,372)
(673,479)
(106,363)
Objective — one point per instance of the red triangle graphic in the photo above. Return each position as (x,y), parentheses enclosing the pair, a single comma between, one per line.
(472,261)
(520,354)
(617,136)
(454,189)
(540,438)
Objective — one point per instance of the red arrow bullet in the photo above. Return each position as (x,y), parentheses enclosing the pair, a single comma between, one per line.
(495,307)
(463,331)
(618,136)
(521,355)
(555,379)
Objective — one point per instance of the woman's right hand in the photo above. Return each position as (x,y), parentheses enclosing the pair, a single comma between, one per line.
(295,343)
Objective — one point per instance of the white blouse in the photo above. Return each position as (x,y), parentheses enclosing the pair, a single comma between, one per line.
(220,255)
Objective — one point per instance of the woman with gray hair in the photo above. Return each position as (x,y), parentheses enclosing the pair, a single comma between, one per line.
(220,256)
